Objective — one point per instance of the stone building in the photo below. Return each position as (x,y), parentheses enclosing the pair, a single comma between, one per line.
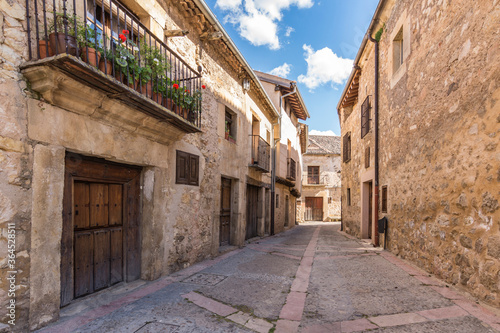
(321,180)
(420,132)
(287,150)
(133,170)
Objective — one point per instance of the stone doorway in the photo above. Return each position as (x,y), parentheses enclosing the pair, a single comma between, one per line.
(225,212)
(100,243)
(367,225)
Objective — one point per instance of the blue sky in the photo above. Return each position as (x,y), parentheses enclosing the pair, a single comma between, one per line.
(312,42)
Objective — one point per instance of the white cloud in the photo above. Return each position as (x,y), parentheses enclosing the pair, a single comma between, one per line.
(228,4)
(289,31)
(259,30)
(326,133)
(281,71)
(324,66)
(257,20)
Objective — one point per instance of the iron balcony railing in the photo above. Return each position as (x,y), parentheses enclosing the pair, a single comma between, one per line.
(261,153)
(291,171)
(107,36)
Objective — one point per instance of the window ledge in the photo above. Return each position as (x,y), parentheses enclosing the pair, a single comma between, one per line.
(69,83)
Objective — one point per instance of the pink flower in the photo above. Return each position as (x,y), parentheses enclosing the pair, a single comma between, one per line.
(176,86)
(203,87)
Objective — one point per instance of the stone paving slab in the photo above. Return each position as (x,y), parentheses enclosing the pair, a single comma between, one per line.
(397,319)
(209,304)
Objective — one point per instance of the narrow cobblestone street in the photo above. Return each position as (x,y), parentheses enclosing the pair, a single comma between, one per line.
(312,278)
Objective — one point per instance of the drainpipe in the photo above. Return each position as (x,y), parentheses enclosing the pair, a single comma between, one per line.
(375,132)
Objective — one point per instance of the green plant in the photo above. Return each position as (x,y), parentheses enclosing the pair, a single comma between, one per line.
(87,36)
(154,63)
(59,23)
(125,58)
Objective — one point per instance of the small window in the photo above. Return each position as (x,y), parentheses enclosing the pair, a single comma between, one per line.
(347,147)
(313,174)
(277,200)
(397,49)
(187,168)
(367,157)
(230,130)
(384,199)
(348,197)
(329,200)
(365,117)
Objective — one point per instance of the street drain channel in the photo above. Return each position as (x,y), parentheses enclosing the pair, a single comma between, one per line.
(205,279)
(155,327)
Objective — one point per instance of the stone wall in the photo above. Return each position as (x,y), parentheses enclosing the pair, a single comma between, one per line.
(439,130)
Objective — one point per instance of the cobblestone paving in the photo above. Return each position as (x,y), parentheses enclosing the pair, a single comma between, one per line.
(312,278)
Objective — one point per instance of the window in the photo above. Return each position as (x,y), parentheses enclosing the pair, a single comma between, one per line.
(365,117)
(230,125)
(384,199)
(277,200)
(347,147)
(397,49)
(187,168)
(348,197)
(313,174)
(367,157)
(329,200)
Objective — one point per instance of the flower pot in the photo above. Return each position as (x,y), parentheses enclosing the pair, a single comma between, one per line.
(227,136)
(92,56)
(44,46)
(145,89)
(168,103)
(157,97)
(59,41)
(106,66)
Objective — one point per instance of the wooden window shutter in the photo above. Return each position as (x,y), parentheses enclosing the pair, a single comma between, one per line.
(187,168)
(347,147)
(365,117)
(194,162)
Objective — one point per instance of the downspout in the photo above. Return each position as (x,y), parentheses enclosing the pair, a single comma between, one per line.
(273,159)
(375,132)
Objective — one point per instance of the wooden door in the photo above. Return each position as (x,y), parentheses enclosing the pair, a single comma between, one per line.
(98,230)
(370,209)
(314,209)
(252,206)
(225,212)
(287,211)
(100,243)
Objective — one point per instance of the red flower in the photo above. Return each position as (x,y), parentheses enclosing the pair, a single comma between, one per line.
(125,32)
(176,86)
(187,91)
(203,87)
(122,38)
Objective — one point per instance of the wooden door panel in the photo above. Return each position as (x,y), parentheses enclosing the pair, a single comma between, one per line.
(84,264)
(116,255)
(225,213)
(101,259)
(314,209)
(115,204)
(252,206)
(98,205)
(81,207)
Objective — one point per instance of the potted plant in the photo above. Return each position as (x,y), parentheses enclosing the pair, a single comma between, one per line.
(126,61)
(57,32)
(44,47)
(154,67)
(106,62)
(89,41)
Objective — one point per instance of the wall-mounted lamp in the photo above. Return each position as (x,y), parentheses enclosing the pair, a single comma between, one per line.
(246,84)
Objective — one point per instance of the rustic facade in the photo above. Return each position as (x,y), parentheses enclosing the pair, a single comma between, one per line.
(321,180)
(438,174)
(287,150)
(107,178)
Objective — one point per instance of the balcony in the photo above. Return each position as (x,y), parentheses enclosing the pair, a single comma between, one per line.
(116,65)
(291,172)
(261,154)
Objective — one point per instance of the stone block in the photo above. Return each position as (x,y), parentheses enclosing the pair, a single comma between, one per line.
(494,246)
